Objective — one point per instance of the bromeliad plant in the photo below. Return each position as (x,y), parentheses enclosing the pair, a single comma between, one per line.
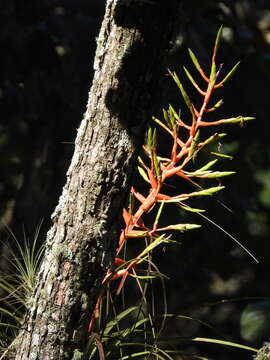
(187,141)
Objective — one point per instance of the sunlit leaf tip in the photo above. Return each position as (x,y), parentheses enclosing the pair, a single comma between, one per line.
(216,174)
(230,73)
(217,42)
(184,93)
(149,138)
(143,174)
(195,61)
(218,104)
(183,227)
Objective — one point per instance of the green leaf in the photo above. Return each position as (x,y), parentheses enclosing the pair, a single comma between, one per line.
(213,73)
(193,82)
(214,138)
(157,167)
(154,139)
(184,94)
(176,200)
(144,276)
(159,213)
(188,208)
(195,61)
(10,315)
(140,161)
(115,321)
(8,325)
(218,104)
(238,119)
(207,166)
(215,174)
(223,342)
(161,239)
(140,354)
(222,155)
(202,169)
(139,234)
(194,144)
(173,116)
(230,73)
(160,123)
(143,174)
(149,138)
(217,42)
(183,227)
(131,202)
(159,353)
(166,118)
(207,192)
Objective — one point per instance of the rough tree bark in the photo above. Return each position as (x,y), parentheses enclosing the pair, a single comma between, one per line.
(86,223)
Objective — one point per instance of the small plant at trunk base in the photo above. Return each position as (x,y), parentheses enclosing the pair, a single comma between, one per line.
(18,286)
(187,143)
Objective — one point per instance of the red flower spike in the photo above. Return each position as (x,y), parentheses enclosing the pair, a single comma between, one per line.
(163,168)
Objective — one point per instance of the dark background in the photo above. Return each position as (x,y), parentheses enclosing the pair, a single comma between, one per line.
(47,52)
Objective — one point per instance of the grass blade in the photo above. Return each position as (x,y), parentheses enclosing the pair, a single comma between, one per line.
(226,343)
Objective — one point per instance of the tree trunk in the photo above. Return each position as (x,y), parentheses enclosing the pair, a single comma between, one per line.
(87,221)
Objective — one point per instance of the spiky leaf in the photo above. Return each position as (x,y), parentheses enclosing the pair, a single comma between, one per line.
(194,144)
(207,192)
(213,138)
(238,119)
(207,166)
(195,62)
(143,174)
(184,94)
(166,118)
(217,42)
(193,82)
(190,209)
(154,139)
(230,73)
(182,227)
(215,174)
(156,167)
(218,104)
(149,138)
(225,156)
